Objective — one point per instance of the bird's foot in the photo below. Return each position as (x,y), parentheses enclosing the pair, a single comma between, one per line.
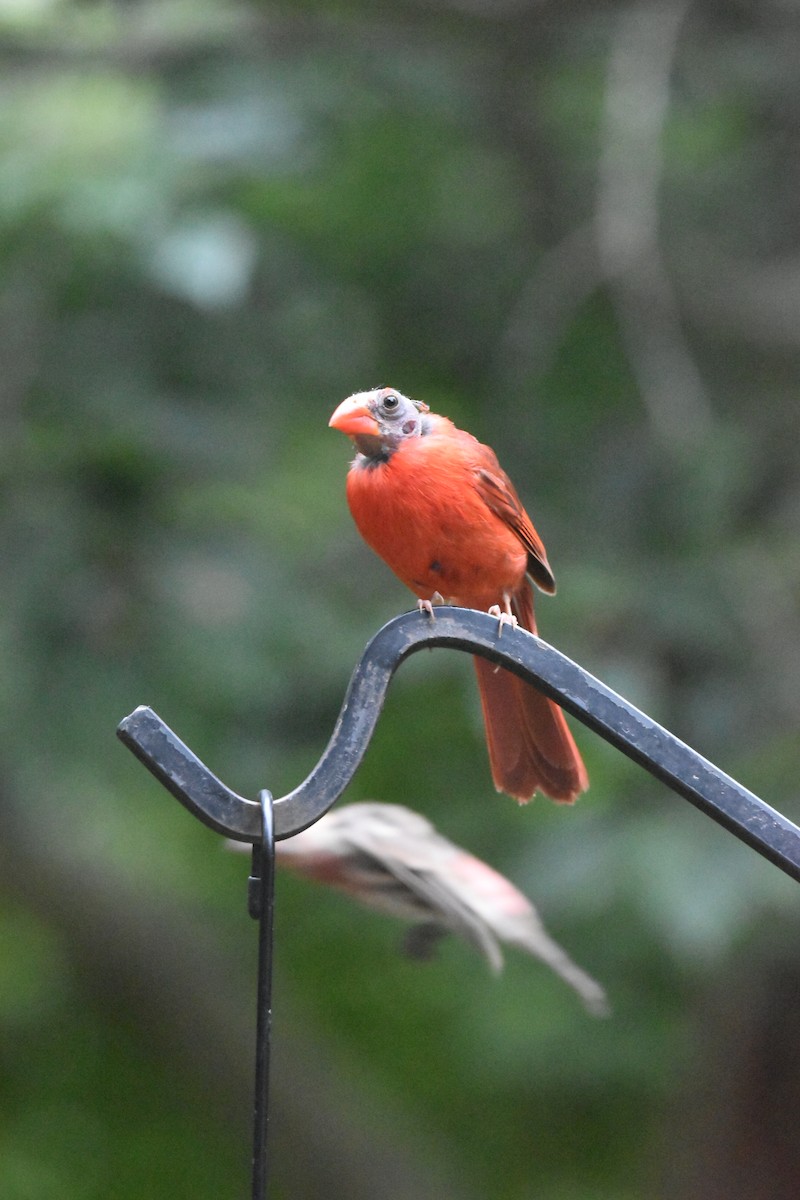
(426,606)
(504,615)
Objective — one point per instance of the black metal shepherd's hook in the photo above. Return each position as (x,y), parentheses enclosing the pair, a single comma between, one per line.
(261,892)
(655,748)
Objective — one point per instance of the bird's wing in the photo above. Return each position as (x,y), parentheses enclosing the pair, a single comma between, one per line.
(499,494)
(421,867)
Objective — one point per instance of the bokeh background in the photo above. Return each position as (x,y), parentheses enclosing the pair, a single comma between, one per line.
(574,230)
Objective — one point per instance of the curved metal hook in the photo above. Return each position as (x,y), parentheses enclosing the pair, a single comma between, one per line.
(676,764)
(190,781)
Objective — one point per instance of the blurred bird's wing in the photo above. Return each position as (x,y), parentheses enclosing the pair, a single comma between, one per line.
(418,860)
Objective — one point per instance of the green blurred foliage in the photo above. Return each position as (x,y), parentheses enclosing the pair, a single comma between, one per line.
(216,221)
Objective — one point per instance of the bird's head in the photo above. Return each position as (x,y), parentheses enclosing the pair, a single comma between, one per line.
(380,420)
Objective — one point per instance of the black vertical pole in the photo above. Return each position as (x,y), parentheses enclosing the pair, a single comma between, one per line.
(260,902)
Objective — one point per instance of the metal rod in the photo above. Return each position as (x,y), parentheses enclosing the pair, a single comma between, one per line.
(642,739)
(261,903)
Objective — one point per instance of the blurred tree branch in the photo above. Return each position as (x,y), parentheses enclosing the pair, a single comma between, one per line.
(566,275)
(627,222)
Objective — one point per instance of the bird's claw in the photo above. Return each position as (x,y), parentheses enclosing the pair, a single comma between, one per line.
(426,606)
(504,617)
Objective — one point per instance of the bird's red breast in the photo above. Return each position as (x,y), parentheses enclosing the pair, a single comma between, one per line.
(423,513)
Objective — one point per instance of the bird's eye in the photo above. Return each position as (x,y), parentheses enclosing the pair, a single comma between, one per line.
(390,403)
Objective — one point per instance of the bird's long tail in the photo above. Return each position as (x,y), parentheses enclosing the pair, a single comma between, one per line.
(530,745)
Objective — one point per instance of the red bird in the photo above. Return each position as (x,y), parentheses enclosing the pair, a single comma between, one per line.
(437,507)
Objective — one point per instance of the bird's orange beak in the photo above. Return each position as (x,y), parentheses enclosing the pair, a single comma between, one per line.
(354,419)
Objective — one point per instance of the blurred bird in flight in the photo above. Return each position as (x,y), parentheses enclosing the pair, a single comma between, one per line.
(392,859)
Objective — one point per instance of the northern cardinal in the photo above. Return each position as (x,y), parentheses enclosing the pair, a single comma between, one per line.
(393,860)
(436,505)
